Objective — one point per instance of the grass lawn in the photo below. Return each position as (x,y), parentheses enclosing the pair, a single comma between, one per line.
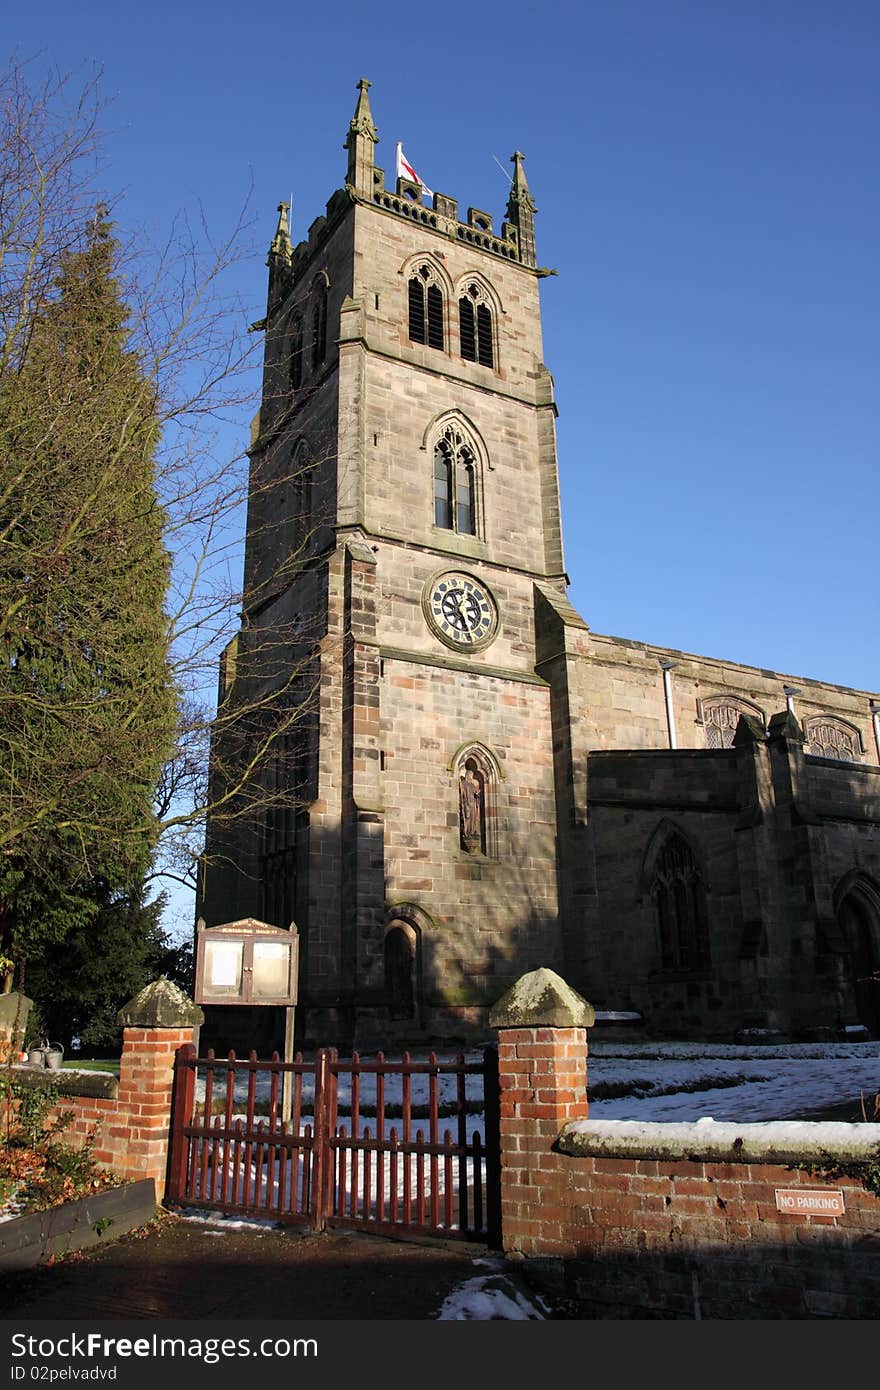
(86,1064)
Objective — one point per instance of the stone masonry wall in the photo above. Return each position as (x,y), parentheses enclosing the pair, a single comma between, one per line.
(624,705)
(490,914)
(633,795)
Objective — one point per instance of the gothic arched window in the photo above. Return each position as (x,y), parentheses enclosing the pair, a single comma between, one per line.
(279,828)
(455,483)
(680,904)
(475,327)
(319,323)
(827,737)
(296,354)
(425,309)
(858,917)
(301,489)
(721,714)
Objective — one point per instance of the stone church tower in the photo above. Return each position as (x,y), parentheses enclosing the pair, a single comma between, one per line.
(404,529)
(463,782)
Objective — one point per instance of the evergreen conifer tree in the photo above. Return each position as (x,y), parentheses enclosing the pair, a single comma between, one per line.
(87,706)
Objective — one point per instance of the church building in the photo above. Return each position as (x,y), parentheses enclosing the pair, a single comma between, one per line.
(476,784)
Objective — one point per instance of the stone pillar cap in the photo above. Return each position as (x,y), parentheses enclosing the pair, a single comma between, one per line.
(10,1005)
(541,999)
(160,1005)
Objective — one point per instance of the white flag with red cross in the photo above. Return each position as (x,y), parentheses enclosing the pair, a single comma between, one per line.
(406,171)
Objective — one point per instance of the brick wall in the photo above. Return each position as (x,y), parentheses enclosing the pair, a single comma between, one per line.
(653,1223)
(132,1126)
(678,1238)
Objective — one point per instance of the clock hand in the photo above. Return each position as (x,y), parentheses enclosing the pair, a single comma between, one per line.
(458,596)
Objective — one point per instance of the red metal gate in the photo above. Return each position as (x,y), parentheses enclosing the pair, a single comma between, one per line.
(345,1143)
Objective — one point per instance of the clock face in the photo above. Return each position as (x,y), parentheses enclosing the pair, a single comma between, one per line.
(460,611)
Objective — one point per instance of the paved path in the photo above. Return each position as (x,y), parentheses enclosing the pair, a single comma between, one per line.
(185,1269)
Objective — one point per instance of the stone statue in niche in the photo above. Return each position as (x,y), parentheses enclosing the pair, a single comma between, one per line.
(470,809)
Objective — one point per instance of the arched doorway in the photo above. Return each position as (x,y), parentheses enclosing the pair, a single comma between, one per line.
(859,921)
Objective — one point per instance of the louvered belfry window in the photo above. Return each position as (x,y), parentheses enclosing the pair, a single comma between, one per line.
(475,327)
(425,310)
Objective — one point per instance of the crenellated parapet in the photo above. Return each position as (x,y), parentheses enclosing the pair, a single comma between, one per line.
(366,183)
(442,217)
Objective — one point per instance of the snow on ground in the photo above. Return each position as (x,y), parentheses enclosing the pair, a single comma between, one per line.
(668,1081)
(492,1297)
(748,1084)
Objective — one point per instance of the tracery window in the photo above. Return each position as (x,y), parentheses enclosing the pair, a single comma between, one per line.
(720,717)
(680,904)
(827,737)
(425,308)
(475,326)
(455,483)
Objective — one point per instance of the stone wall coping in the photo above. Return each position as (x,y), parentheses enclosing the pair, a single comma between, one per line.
(778,1141)
(69,1082)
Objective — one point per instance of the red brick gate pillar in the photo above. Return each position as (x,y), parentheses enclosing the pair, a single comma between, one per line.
(542,1067)
(159,1020)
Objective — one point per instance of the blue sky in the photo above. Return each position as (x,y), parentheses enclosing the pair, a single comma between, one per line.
(706,181)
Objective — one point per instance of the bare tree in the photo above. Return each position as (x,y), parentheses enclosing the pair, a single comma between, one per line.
(233,754)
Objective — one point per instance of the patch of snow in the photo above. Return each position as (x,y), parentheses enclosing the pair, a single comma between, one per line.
(225,1223)
(492,1297)
(682,1081)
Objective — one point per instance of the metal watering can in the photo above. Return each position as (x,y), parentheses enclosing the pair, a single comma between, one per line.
(46,1055)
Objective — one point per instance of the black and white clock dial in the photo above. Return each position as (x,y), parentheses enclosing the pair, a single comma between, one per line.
(461,611)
